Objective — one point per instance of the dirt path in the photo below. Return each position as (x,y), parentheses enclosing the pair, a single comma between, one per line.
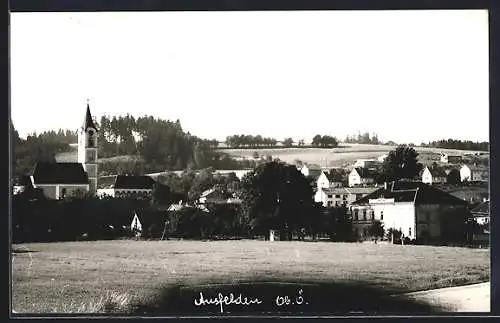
(471,298)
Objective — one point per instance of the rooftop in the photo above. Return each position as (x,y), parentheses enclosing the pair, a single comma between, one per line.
(415,192)
(59,173)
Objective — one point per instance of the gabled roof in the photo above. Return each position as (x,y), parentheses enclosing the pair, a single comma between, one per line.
(133,182)
(417,192)
(88,122)
(437,171)
(364,172)
(106,181)
(482,209)
(59,173)
(315,173)
(334,177)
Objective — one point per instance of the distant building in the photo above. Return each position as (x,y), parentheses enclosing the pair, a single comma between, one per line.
(481,213)
(217,196)
(329,180)
(341,196)
(128,186)
(435,175)
(382,158)
(20,184)
(469,173)
(361,176)
(59,180)
(418,210)
(447,159)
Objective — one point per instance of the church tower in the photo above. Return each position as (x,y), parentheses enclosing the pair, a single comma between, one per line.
(87,149)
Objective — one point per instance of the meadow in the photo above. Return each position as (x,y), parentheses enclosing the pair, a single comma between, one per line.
(69,277)
(337,157)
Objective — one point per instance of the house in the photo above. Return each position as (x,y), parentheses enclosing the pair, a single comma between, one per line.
(361,176)
(472,173)
(329,180)
(128,186)
(481,213)
(434,175)
(382,158)
(447,159)
(311,171)
(366,163)
(420,211)
(19,184)
(59,180)
(217,196)
(341,196)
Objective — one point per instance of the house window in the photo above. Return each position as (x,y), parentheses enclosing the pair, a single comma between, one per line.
(364,215)
(344,197)
(337,196)
(381,215)
(336,203)
(409,231)
(63,193)
(329,203)
(330,196)
(356,214)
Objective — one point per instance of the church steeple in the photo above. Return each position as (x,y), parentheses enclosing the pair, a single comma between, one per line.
(88,122)
(87,149)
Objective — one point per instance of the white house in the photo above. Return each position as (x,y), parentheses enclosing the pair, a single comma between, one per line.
(329,180)
(382,158)
(469,173)
(418,210)
(434,176)
(341,196)
(360,176)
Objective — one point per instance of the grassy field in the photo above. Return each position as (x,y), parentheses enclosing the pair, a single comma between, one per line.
(75,276)
(338,157)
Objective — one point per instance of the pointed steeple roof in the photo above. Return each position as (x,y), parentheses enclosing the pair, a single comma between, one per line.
(88,122)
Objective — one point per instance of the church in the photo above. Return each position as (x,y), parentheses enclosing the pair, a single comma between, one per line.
(59,180)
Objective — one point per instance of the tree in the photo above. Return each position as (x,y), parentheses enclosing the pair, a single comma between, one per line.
(160,194)
(453,177)
(376,230)
(288,142)
(316,141)
(301,142)
(401,163)
(276,195)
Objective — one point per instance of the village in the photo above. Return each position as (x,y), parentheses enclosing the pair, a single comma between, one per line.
(420,209)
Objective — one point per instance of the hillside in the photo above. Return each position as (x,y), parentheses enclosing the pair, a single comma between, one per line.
(335,157)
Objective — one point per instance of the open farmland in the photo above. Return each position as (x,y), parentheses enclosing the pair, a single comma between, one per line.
(337,157)
(60,277)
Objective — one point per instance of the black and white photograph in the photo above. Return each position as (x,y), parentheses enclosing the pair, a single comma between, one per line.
(250,163)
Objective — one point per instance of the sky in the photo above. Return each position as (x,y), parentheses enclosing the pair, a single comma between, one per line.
(409,76)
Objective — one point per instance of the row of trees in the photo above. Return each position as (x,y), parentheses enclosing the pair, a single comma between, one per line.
(249,141)
(364,138)
(324,141)
(153,145)
(459,144)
